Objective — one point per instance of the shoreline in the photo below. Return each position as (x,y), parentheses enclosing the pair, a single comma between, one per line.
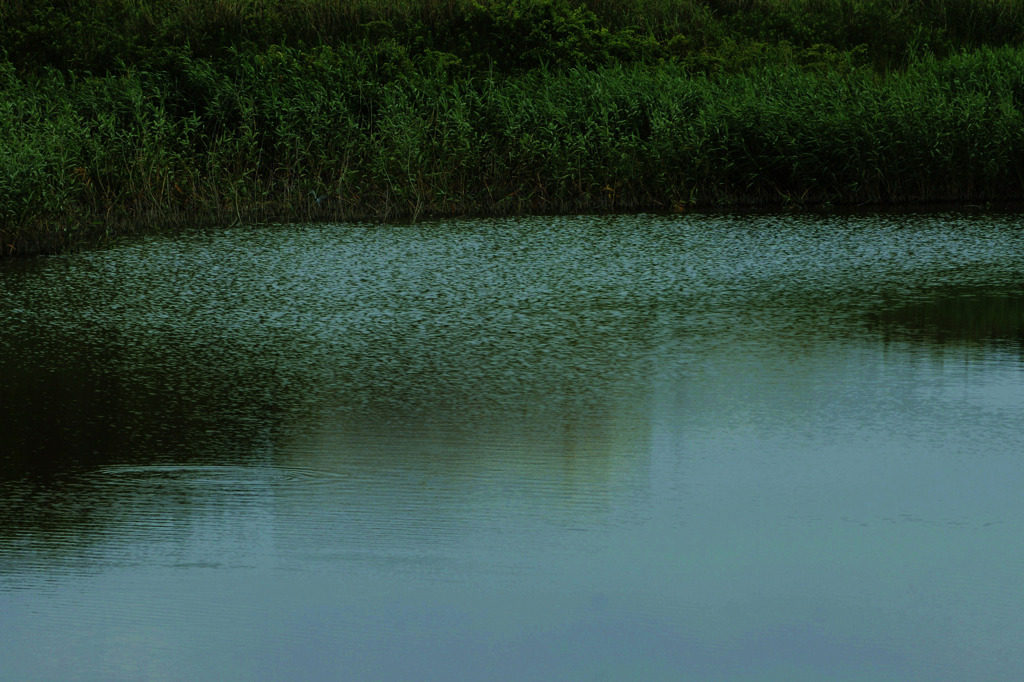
(368,122)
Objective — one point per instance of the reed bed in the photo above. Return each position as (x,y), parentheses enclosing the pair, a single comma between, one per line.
(483,35)
(251,110)
(292,134)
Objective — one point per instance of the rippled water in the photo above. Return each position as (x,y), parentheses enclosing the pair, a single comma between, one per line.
(643,447)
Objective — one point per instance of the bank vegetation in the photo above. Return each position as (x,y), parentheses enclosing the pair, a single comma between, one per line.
(120,116)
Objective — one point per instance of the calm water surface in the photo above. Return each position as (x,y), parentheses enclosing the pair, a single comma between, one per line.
(699,447)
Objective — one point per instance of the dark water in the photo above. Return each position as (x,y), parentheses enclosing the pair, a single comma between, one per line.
(702,447)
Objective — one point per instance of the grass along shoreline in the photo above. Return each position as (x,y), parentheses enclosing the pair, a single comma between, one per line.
(368,130)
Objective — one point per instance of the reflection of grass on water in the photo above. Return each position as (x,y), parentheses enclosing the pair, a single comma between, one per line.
(963,317)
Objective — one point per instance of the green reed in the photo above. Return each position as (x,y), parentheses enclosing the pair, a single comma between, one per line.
(487,36)
(289,133)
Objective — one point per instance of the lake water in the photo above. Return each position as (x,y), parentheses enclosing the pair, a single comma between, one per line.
(703,447)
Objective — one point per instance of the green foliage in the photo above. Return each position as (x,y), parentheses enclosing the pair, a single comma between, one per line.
(503,36)
(148,112)
(513,35)
(332,132)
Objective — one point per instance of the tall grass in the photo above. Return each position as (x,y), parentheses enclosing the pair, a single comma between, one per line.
(332,133)
(101,36)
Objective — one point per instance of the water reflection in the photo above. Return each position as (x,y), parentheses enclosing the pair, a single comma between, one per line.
(964,314)
(620,446)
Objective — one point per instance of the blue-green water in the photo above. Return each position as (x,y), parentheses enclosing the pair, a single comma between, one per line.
(631,447)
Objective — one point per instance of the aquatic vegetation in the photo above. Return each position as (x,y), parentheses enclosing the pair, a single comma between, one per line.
(158,113)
